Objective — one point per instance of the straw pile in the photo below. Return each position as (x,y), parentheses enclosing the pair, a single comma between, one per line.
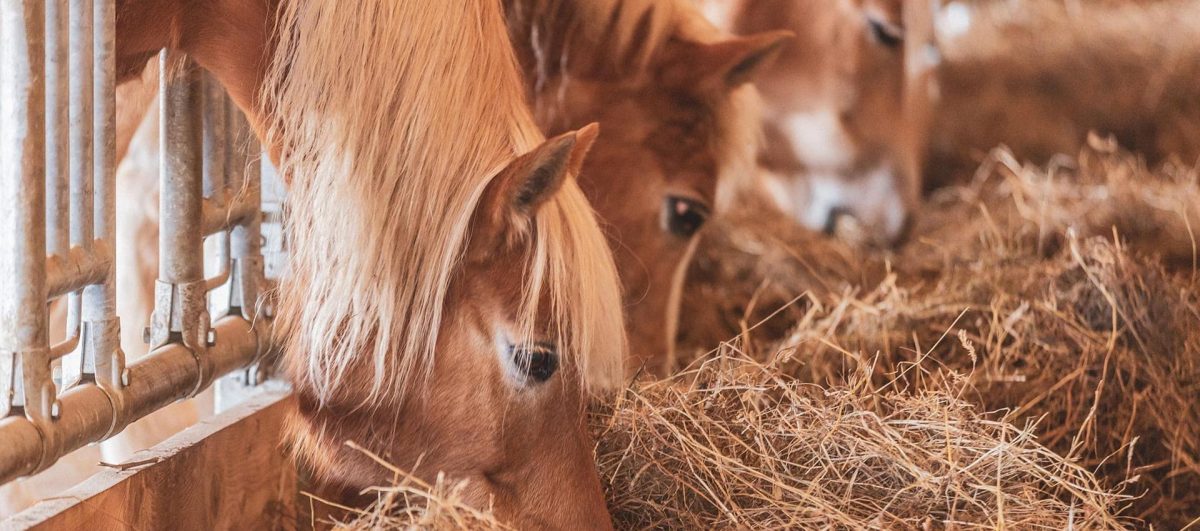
(734,443)
(1075,285)
(408,503)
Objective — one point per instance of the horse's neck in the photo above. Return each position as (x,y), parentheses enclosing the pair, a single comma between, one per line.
(234,42)
(230,38)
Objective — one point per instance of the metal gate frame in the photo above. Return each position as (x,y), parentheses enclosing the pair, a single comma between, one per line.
(57,229)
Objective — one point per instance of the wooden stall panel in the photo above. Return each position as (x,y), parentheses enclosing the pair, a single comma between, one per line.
(228,472)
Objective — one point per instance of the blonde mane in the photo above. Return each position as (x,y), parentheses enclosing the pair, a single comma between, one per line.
(393,117)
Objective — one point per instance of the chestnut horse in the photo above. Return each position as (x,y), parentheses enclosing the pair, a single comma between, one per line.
(845,109)
(679,121)
(444,264)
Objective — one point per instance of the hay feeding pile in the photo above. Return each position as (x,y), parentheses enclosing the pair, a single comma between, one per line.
(408,503)
(734,443)
(1074,286)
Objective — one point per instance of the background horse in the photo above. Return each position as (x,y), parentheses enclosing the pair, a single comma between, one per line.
(679,122)
(438,276)
(845,108)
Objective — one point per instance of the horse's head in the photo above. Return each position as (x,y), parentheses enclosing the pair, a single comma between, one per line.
(844,129)
(655,173)
(502,406)
(678,122)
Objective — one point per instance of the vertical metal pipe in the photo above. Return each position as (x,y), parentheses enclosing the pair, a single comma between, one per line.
(99,300)
(216,170)
(216,163)
(246,244)
(22,202)
(76,364)
(180,312)
(81,122)
(57,125)
(58,183)
(180,196)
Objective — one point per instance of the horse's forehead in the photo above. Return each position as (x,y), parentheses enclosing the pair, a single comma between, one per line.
(685,135)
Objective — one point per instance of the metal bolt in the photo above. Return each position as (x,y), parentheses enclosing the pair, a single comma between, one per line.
(56,409)
(146,335)
(211,337)
(125,378)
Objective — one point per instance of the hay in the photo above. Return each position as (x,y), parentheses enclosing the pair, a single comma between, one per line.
(408,503)
(755,268)
(734,443)
(1076,286)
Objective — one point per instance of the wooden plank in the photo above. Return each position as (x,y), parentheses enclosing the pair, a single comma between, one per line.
(228,472)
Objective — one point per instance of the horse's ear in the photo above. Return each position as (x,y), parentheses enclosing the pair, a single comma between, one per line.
(732,62)
(511,200)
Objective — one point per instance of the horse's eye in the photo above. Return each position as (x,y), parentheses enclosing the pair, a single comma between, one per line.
(683,217)
(886,33)
(537,361)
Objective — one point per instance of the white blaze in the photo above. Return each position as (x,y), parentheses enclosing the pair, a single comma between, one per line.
(953,21)
(819,140)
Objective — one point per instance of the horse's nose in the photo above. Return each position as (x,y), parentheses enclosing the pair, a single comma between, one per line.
(845,224)
(839,217)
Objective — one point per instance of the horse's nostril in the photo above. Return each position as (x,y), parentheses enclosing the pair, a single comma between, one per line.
(836,217)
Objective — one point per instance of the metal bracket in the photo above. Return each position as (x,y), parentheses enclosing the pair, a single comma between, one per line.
(181,316)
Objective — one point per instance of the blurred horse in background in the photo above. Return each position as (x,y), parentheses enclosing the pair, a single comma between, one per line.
(845,109)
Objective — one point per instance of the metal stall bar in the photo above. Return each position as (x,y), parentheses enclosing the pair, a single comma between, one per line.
(82,186)
(57,127)
(216,169)
(247,276)
(180,309)
(247,237)
(58,246)
(87,413)
(24,344)
(103,358)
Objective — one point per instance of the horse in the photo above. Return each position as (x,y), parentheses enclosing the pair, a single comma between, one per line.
(451,300)
(679,122)
(845,109)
